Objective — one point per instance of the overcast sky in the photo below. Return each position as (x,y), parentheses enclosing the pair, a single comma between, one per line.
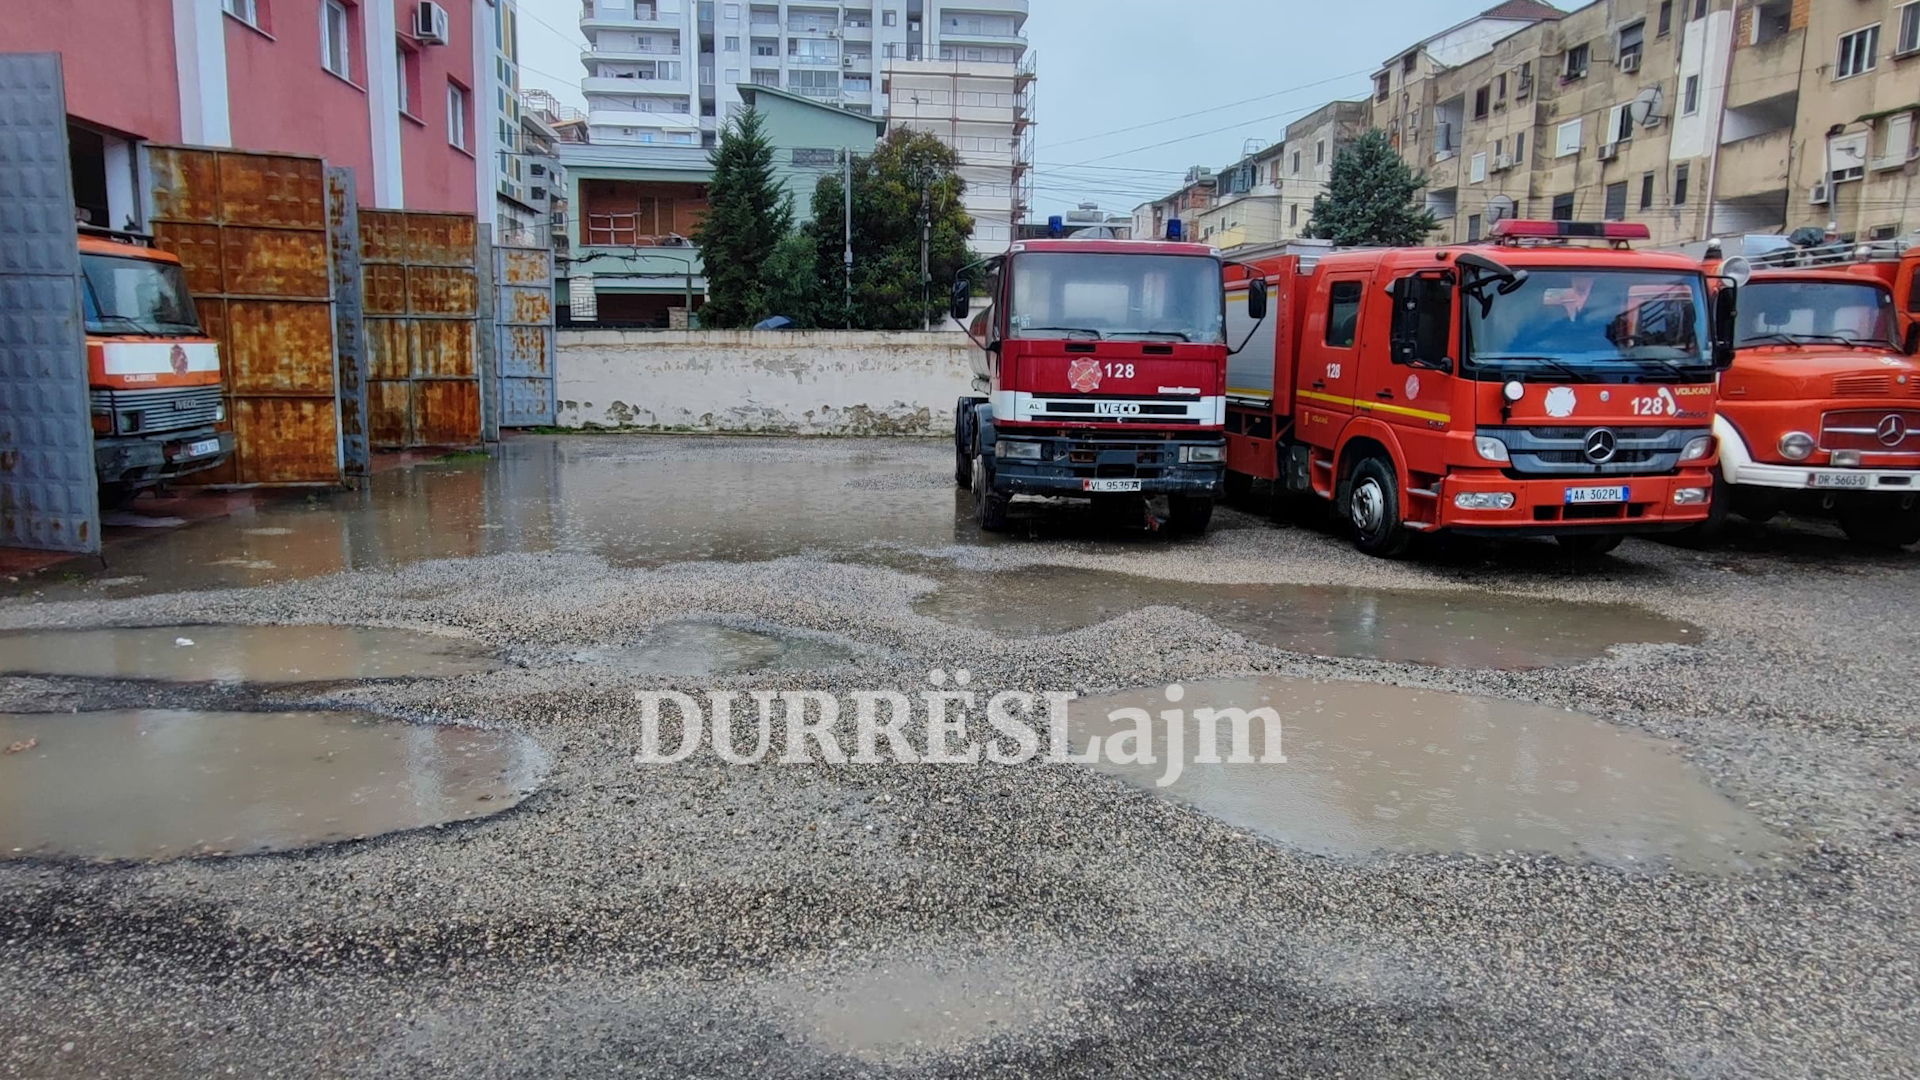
(1118,76)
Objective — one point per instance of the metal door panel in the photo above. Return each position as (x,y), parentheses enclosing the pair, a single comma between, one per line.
(420,294)
(524,340)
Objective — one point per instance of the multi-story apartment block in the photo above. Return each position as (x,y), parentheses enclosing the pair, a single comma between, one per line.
(1187,205)
(1267,197)
(983,109)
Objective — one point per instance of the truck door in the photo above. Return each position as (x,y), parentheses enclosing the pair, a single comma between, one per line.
(1398,387)
(1329,359)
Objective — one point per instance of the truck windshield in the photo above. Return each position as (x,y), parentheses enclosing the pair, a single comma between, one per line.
(136,296)
(1815,313)
(1104,295)
(1604,323)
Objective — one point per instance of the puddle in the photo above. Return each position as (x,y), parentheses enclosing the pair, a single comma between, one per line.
(1449,629)
(158,784)
(693,648)
(1373,768)
(254,654)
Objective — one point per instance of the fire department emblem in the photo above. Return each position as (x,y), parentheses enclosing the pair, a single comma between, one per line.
(1084,374)
(178,359)
(1413,386)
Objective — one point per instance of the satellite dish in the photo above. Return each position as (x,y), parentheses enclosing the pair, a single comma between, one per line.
(1646,108)
(1499,208)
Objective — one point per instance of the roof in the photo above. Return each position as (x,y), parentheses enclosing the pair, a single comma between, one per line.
(1117,247)
(1530,11)
(748,91)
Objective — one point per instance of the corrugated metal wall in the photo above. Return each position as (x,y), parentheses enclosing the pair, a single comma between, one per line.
(252,232)
(420,288)
(523,315)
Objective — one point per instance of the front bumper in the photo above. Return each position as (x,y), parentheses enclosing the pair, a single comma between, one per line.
(124,460)
(1072,466)
(1540,507)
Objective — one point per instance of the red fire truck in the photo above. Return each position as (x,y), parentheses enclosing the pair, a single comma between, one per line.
(1553,382)
(1101,375)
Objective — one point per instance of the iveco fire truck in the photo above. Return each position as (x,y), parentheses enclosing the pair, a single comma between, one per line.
(1821,409)
(1101,374)
(152,374)
(1552,382)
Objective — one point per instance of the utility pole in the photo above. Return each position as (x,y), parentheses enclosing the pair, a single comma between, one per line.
(926,241)
(847,221)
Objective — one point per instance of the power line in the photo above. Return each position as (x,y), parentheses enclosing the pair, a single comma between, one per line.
(1213,109)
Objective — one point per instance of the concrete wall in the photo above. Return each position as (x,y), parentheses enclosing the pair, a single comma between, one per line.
(812,383)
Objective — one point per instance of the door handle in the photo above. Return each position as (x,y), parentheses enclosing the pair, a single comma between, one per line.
(1383,395)
(1319,384)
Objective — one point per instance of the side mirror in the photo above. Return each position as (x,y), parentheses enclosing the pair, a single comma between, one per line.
(1725,308)
(1257,299)
(1913,338)
(960,300)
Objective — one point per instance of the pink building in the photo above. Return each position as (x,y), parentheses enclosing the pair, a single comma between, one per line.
(353,81)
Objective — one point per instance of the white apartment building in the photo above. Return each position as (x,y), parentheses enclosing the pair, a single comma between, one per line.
(668,72)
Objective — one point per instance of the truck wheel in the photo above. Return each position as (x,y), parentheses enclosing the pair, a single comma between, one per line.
(1188,514)
(1587,543)
(989,506)
(1373,509)
(963,443)
(1881,523)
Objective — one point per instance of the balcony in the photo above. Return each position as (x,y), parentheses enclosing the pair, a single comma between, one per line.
(1016,8)
(850,32)
(809,60)
(1766,71)
(644,84)
(962,36)
(594,57)
(1754,165)
(764,63)
(636,118)
(644,18)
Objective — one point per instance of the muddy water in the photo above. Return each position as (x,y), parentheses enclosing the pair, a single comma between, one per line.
(255,654)
(158,784)
(693,648)
(1377,768)
(1451,629)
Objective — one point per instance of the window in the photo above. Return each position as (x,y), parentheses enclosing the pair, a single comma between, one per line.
(1632,36)
(1293,215)
(1380,87)
(1898,142)
(1858,52)
(1520,149)
(457,115)
(1525,81)
(815,158)
(1847,156)
(1320,152)
(1477,171)
(251,12)
(1296,163)
(1883,232)
(889,18)
(1620,123)
(731,11)
(1473,228)
(1576,62)
(1680,185)
(1907,40)
(1690,97)
(1566,139)
(1666,19)
(1617,201)
(1480,100)
(402,61)
(1772,20)
(1563,207)
(1699,9)
(334,38)
(1343,314)
(1407,62)
(1646,191)
(1500,87)
(733,44)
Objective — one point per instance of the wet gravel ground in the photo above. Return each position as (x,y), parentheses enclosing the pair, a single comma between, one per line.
(880,921)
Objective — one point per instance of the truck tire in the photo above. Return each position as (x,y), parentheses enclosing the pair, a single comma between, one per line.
(1881,523)
(989,506)
(1588,543)
(963,442)
(1187,515)
(1373,510)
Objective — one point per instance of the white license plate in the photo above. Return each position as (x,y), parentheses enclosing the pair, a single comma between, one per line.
(201,448)
(1838,480)
(1109,485)
(1596,494)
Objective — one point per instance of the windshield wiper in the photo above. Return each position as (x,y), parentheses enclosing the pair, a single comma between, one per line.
(1785,338)
(138,326)
(1177,334)
(1094,334)
(1568,371)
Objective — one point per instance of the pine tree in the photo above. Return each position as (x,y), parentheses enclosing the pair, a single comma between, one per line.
(1369,201)
(908,171)
(748,213)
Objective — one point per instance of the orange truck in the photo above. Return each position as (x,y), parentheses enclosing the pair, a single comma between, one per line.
(153,376)
(1820,412)
(1553,382)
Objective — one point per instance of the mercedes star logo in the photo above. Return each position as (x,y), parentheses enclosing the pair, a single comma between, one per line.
(1600,446)
(1892,430)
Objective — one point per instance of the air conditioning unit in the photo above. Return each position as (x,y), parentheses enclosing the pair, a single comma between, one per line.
(1502,162)
(430,23)
(1630,63)
(1609,151)
(846,61)
(1817,194)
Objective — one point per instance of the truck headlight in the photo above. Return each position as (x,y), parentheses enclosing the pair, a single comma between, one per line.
(1846,459)
(1017,451)
(1689,496)
(219,412)
(1490,448)
(1697,448)
(1796,446)
(1195,455)
(1484,500)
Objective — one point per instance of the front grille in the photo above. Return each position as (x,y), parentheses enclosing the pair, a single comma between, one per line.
(137,412)
(1859,429)
(1861,385)
(1560,450)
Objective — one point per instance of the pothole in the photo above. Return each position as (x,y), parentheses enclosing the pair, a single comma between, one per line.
(236,654)
(697,648)
(1448,629)
(159,784)
(1380,768)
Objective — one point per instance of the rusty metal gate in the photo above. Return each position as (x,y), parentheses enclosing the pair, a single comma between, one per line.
(48,497)
(251,230)
(421,295)
(523,314)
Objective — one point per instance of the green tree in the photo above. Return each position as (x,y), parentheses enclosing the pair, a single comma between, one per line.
(1369,201)
(748,213)
(908,174)
(793,281)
